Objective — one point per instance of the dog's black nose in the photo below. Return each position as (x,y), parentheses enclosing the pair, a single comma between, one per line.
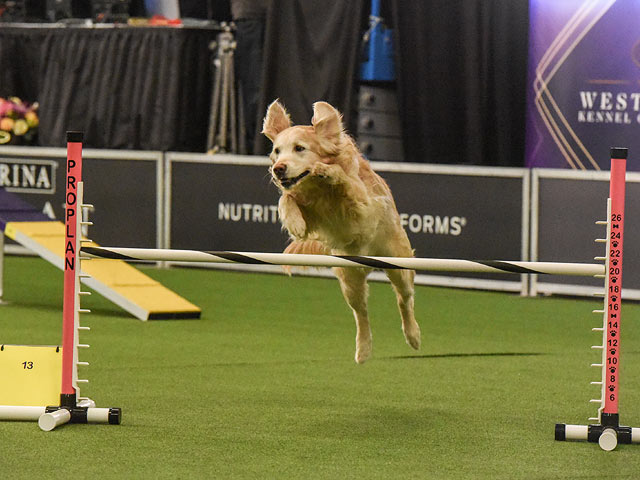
(279,170)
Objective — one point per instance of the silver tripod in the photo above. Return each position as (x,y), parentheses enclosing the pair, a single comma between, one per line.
(227,116)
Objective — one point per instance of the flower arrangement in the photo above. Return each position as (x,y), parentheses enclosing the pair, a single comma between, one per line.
(18,121)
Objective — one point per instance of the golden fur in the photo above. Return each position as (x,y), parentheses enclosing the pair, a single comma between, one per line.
(333,202)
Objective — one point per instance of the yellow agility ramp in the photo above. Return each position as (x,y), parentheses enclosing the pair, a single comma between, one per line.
(116,280)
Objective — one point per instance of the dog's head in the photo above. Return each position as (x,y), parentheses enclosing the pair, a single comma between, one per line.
(297,148)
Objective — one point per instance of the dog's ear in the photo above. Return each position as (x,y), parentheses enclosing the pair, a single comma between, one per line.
(327,121)
(276,120)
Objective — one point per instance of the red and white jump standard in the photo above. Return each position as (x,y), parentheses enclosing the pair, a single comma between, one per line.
(72,408)
(608,432)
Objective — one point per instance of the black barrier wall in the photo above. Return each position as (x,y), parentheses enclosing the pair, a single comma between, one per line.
(448,212)
(222,206)
(451,213)
(566,206)
(124,187)
(195,201)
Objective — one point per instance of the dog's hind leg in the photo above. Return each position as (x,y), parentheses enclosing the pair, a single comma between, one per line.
(353,282)
(402,281)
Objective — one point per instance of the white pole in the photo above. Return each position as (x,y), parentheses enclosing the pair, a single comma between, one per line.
(429,264)
(16,412)
(51,420)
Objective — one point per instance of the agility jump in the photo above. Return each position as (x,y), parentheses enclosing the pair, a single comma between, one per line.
(607,432)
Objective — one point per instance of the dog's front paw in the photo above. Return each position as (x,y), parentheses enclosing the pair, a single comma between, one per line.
(297,227)
(321,170)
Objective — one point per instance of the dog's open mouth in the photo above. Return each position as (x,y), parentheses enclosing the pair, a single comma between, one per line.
(290,182)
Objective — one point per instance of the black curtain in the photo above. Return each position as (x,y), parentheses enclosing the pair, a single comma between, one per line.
(133,88)
(462,67)
(311,53)
(139,89)
(20,63)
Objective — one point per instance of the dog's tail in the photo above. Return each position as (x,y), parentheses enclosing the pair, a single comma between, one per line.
(309,247)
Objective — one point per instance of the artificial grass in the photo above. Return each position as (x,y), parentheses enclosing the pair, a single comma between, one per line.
(265,386)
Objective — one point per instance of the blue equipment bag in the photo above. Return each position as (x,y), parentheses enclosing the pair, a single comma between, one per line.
(378,65)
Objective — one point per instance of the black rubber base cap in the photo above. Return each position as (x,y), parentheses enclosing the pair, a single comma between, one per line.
(619,152)
(115,416)
(75,137)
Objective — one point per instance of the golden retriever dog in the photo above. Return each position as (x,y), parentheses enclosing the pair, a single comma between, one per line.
(333,202)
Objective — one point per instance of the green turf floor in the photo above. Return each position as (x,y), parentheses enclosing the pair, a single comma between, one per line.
(264,385)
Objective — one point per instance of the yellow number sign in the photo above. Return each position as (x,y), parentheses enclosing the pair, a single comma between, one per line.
(30,375)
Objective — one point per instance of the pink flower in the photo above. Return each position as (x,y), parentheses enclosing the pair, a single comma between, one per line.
(15,107)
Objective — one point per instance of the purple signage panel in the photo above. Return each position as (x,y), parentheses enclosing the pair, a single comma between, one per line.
(583,95)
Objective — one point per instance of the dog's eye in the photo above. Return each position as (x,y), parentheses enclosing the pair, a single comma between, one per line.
(276,151)
(299,148)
